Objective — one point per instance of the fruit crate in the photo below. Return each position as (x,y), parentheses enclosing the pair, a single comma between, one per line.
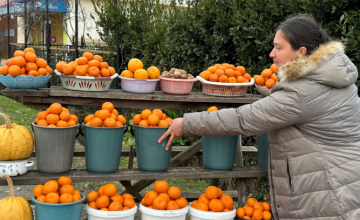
(176,86)
(85,83)
(224,89)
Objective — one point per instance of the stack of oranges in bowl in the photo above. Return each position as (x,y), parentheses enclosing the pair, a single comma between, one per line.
(56,116)
(136,70)
(57,191)
(154,118)
(86,65)
(254,210)
(266,80)
(25,63)
(226,73)
(164,197)
(213,200)
(108,116)
(106,198)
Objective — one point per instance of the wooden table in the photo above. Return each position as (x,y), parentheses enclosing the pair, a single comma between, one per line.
(158,99)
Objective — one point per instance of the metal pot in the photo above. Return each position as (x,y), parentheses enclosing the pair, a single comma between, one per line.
(15,167)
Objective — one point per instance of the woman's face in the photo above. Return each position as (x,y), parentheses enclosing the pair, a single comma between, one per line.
(282,52)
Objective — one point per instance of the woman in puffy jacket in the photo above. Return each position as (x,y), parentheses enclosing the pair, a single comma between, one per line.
(313,120)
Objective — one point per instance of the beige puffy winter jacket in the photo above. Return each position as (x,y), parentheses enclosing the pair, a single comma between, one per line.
(313,120)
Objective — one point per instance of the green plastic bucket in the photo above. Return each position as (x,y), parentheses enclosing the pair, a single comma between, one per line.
(103,148)
(219,152)
(54,148)
(59,211)
(263,150)
(151,156)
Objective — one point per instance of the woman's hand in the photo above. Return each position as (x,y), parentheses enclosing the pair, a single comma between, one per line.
(175,130)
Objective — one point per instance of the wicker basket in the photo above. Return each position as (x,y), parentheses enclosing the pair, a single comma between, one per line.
(224,89)
(22,82)
(263,90)
(176,86)
(85,83)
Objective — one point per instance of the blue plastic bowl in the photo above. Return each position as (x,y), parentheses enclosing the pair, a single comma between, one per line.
(60,211)
(22,82)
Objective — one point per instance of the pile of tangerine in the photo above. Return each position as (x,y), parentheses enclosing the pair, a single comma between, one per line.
(254,210)
(107,199)
(57,191)
(108,116)
(86,65)
(25,63)
(213,200)
(267,78)
(154,118)
(226,73)
(56,116)
(164,197)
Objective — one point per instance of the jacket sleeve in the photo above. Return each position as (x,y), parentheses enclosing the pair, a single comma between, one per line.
(284,107)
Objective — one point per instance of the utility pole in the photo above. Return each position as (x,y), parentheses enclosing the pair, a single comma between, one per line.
(76,30)
(117,67)
(8,29)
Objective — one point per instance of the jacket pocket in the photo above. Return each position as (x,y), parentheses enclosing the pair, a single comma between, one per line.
(288,172)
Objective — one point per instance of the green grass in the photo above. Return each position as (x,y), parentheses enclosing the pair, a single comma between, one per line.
(17,112)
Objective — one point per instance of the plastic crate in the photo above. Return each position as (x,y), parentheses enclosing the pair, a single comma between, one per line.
(224,89)
(176,86)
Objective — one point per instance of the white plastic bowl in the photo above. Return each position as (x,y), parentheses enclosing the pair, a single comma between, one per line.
(153,214)
(196,214)
(94,214)
(138,85)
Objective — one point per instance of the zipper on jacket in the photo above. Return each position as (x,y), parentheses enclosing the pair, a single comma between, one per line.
(288,172)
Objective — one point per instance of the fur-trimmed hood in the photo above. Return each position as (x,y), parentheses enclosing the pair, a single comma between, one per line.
(327,65)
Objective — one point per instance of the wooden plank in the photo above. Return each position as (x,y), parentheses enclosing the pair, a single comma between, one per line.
(42,92)
(34,177)
(79,151)
(183,156)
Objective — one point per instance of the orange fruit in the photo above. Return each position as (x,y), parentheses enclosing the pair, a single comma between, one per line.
(249,211)
(109,189)
(41,63)
(75,118)
(50,186)
(92,196)
(241,69)
(82,60)
(94,71)
(41,198)
(153,119)
(194,203)
(64,180)
(145,114)
(227,201)
(202,206)
(98,58)
(172,205)
(19,61)
(29,49)
(88,55)
(161,186)
(165,196)
(251,201)
(93,205)
(37,191)
(102,201)
(129,203)
(135,64)
(127,196)
(41,71)
(76,197)
(260,81)
(136,119)
(104,72)
(127,74)
(111,70)
(14,70)
(266,215)
(163,123)
(273,67)
(149,197)
(240,212)
(52,197)
(182,202)
(247,76)
(174,192)
(258,206)
(108,105)
(4,70)
(270,83)
(266,73)
(153,72)
(19,53)
(266,206)
(33,73)
(42,122)
(223,79)
(66,189)
(115,206)
(216,205)
(117,197)
(258,214)
(59,66)
(141,74)
(212,192)
(159,203)
(66,198)
(96,122)
(30,57)
(103,65)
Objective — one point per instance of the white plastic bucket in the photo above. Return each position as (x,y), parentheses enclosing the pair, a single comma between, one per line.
(153,214)
(196,214)
(94,214)
(138,85)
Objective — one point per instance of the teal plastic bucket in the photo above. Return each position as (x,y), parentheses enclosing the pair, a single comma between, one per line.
(103,148)
(59,211)
(151,156)
(219,152)
(263,150)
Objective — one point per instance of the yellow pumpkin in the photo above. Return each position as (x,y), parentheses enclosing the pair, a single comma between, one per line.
(14,208)
(16,141)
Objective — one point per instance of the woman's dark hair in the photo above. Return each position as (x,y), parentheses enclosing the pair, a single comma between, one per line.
(303,31)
